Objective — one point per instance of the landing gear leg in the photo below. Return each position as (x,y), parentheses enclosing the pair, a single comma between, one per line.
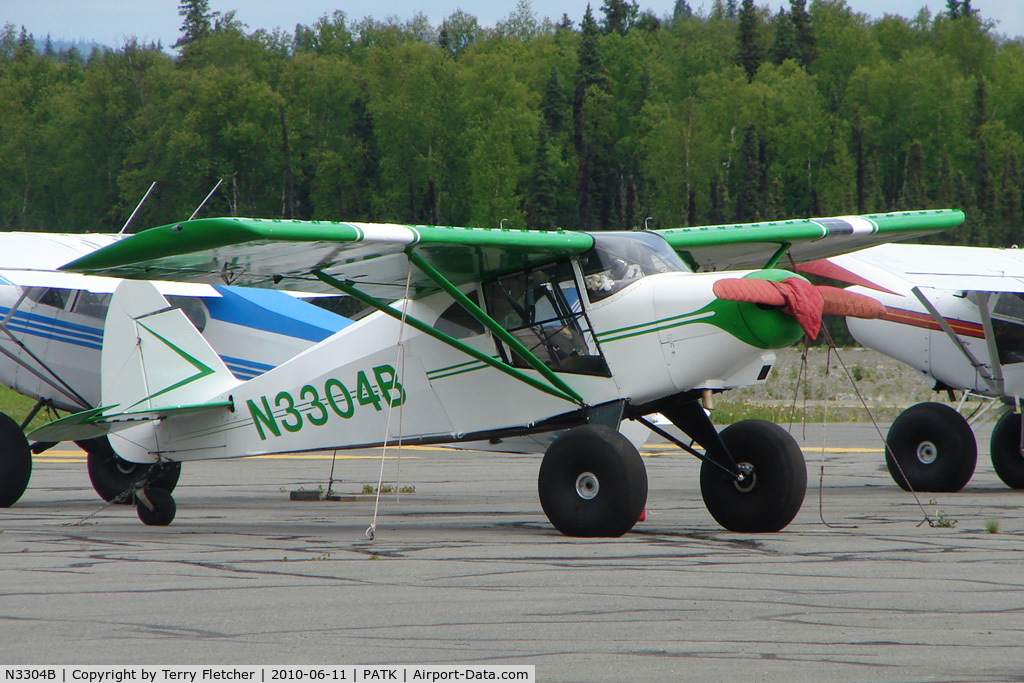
(771,489)
(15,461)
(753,477)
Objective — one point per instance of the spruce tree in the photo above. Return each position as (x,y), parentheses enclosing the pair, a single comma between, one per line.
(1010,203)
(913,194)
(553,104)
(590,74)
(944,190)
(859,162)
(749,190)
(982,164)
(749,54)
(784,40)
(682,11)
(197,21)
(542,200)
(806,48)
(719,201)
(619,16)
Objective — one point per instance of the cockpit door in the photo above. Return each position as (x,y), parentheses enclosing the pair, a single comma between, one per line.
(543,310)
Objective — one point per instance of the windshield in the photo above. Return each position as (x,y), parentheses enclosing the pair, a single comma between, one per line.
(620,259)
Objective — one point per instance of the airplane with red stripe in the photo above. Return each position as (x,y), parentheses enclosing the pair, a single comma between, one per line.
(956,314)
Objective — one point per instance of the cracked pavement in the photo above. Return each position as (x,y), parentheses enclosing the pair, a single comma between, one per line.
(468,570)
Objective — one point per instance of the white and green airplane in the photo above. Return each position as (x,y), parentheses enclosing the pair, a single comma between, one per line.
(483,334)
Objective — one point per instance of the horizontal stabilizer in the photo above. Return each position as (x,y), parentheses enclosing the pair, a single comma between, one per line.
(97,422)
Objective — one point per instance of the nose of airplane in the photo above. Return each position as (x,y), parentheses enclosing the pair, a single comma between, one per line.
(765,295)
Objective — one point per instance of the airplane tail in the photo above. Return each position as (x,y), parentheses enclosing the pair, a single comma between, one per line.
(154,365)
(153,356)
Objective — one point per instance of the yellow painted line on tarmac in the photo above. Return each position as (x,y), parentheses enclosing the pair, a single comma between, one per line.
(76,456)
(321,456)
(662,449)
(843,449)
(57,457)
(60,456)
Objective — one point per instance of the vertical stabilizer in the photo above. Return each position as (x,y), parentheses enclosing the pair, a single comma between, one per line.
(153,357)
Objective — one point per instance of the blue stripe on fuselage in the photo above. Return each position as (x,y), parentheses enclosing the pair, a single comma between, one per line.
(51,328)
(245,369)
(273,311)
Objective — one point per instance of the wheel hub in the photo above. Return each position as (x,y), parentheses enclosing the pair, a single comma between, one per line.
(124,466)
(746,477)
(927,452)
(587,486)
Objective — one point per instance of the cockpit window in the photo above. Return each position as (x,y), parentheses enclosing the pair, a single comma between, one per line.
(92,305)
(50,296)
(542,310)
(457,322)
(1008,326)
(620,259)
(193,309)
(1009,305)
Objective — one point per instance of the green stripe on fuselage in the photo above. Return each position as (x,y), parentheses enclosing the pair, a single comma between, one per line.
(762,328)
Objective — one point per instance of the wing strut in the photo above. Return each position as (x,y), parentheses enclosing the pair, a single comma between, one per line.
(552,389)
(994,381)
(990,342)
(777,256)
(57,382)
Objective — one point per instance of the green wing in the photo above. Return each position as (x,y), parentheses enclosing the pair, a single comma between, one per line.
(284,254)
(755,245)
(373,256)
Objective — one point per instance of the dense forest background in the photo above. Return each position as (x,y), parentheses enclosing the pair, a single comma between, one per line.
(739,114)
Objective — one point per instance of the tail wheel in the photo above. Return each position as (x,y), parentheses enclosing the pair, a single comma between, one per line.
(155,507)
(15,461)
(112,476)
(775,479)
(592,482)
(1007,458)
(931,448)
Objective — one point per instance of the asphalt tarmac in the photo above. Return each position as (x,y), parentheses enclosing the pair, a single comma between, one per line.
(467,570)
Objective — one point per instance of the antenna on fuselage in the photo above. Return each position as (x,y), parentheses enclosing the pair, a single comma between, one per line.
(203,203)
(125,227)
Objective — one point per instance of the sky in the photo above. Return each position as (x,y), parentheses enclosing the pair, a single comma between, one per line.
(111,22)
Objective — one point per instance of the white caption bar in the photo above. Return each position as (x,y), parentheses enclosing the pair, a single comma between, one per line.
(406,673)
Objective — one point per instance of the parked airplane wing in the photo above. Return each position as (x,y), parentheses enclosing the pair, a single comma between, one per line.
(288,254)
(758,245)
(898,267)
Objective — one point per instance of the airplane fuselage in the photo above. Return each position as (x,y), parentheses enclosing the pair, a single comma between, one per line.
(379,380)
(51,324)
(909,333)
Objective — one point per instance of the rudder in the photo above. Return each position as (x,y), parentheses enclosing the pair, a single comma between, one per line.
(153,356)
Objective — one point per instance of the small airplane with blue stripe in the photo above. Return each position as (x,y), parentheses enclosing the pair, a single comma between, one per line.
(52,327)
